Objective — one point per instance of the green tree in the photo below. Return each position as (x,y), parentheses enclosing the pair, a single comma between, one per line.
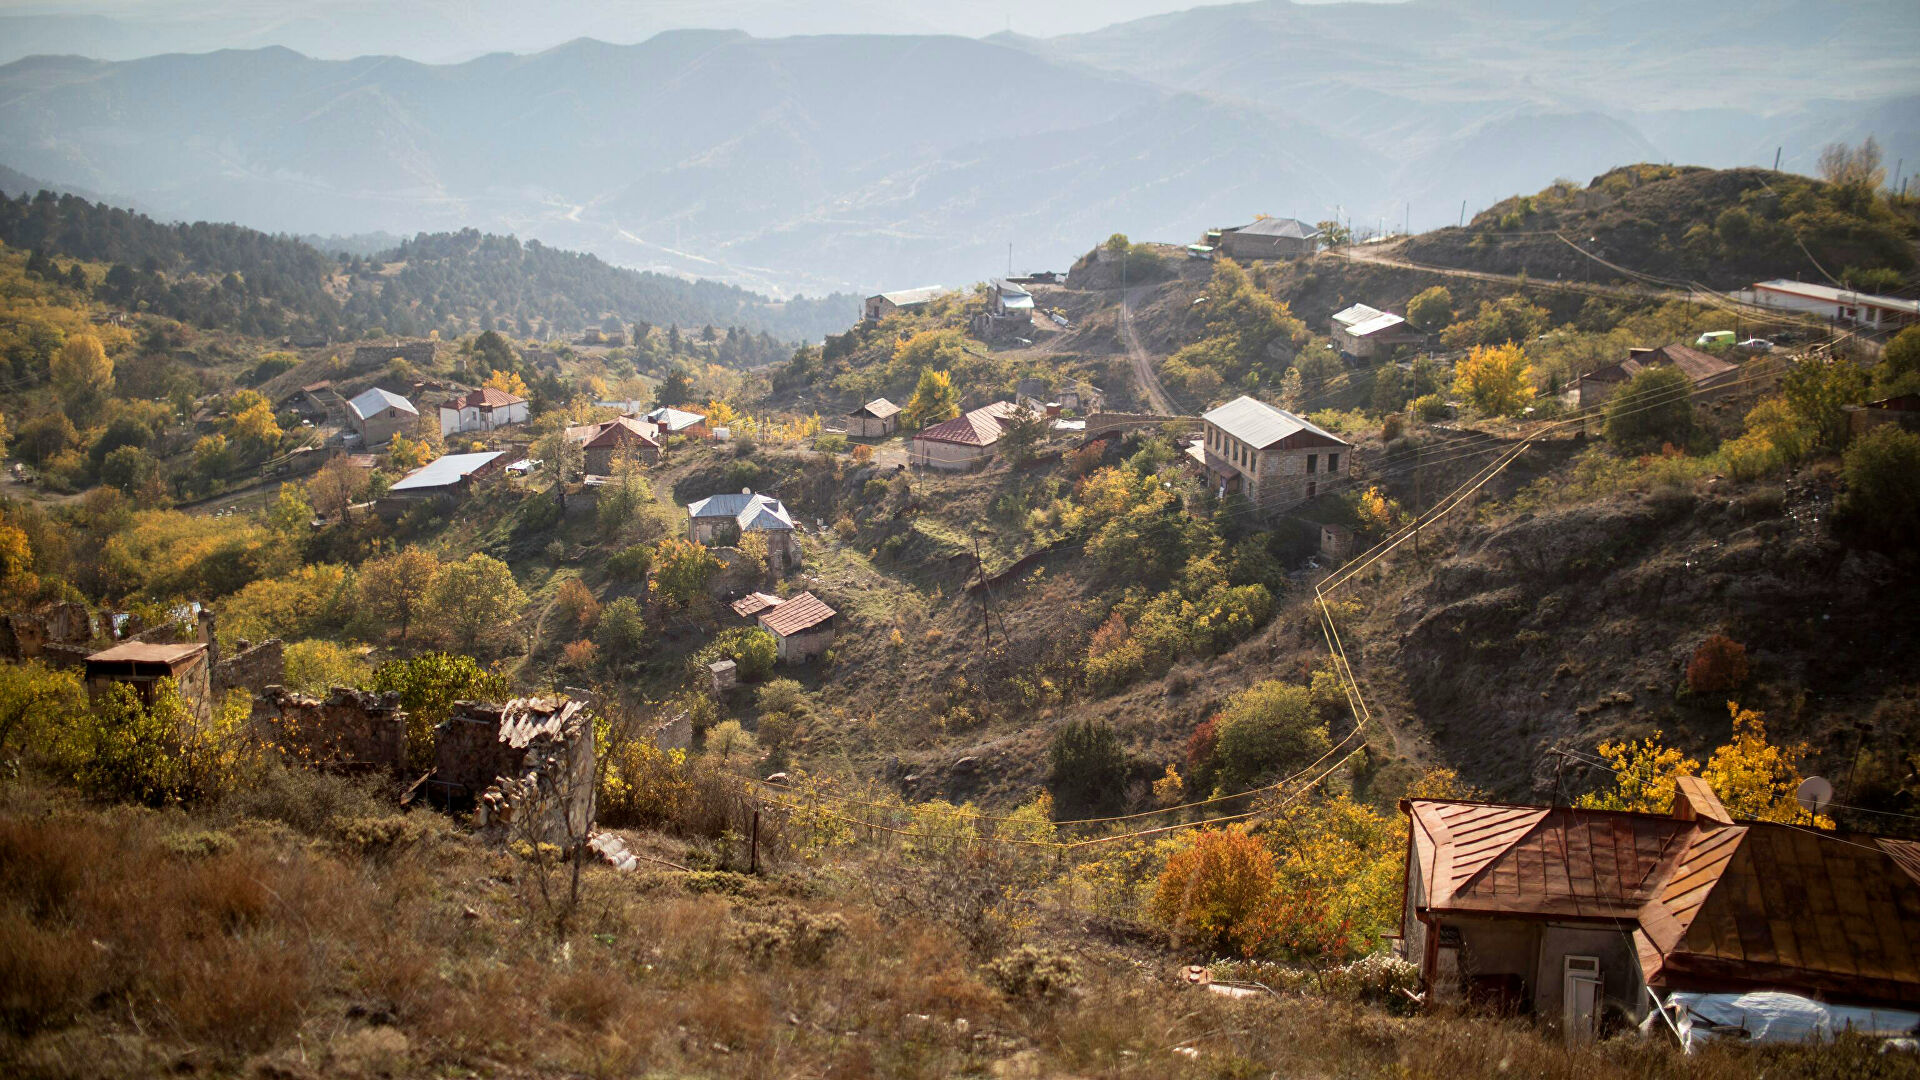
(476,598)
(1654,408)
(428,686)
(394,588)
(935,399)
(1819,391)
(623,629)
(682,570)
(1087,768)
(1264,731)
(1431,309)
(1511,319)
(1900,361)
(676,389)
(132,471)
(1880,507)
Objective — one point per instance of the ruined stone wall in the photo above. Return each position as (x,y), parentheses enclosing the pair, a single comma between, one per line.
(252,668)
(27,635)
(348,729)
(550,800)
(467,752)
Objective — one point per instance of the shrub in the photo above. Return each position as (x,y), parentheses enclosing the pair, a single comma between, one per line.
(788,932)
(630,564)
(1430,407)
(1392,427)
(580,655)
(1087,767)
(623,629)
(752,650)
(831,443)
(1031,973)
(576,604)
(1655,407)
(1214,892)
(428,686)
(1881,505)
(314,667)
(1265,730)
(1718,665)
(862,454)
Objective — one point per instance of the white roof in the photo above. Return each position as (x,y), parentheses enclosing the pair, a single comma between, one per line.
(374,400)
(1260,425)
(1358,313)
(911,297)
(673,420)
(1386,320)
(1840,296)
(1280,226)
(747,510)
(444,472)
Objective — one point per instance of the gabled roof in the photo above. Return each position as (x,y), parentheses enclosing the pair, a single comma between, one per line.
(749,511)
(623,431)
(879,408)
(485,397)
(1840,296)
(1384,321)
(911,297)
(673,420)
(445,472)
(1288,227)
(803,612)
(981,427)
(373,400)
(1260,425)
(754,603)
(1355,314)
(1697,366)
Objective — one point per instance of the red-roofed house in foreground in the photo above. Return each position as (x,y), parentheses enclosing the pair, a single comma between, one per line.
(964,441)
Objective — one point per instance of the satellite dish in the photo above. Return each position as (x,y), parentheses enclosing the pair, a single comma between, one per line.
(746,491)
(1813,794)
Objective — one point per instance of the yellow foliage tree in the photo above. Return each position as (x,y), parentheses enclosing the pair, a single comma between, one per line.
(720,414)
(935,399)
(507,381)
(1753,778)
(82,377)
(406,455)
(1497,379)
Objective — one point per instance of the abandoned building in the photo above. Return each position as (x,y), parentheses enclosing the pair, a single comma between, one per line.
(1706,372)
(482,410)
(1009,312)
(620,437)
(1901,410)
(417,354)
(448,477)
(1576,914)
(57,633)
(1044,398)
(348,729)
(1270,238)
(378,415)
(1367,333)
(721,520)
(1274,458)
(966,440)
(877,419)
(803,626)
(526,766)
(880,306)
(753,604)
(143,666)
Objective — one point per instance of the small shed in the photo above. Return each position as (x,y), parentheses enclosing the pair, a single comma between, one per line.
(142,666)
(482,410)
(1336,542)
(1271,238)
(881,305)
(877,419)
(725,675)
(754,603)
(803,626)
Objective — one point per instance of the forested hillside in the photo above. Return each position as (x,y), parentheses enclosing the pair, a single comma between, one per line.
(241,279)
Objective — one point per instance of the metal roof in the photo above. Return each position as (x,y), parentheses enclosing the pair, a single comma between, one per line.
(981,427)
(1356,314)
(911,297)
(749,511)
(444,472)
(374,399)
(879,408)
(1260,425)
(1840,296)
(1280,226)
(803,612)
(754,603)
(1385,320)
(139,652)
(674,420)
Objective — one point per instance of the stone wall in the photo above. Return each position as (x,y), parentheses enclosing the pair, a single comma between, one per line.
(347,729)
(27,635)
(253,668)
(527,766)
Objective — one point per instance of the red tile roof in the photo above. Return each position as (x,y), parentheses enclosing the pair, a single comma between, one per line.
(754,603)
(803,612)
(487,397)
(625,431)
(981,427)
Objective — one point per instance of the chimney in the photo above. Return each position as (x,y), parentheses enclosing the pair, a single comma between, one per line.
(1694,800)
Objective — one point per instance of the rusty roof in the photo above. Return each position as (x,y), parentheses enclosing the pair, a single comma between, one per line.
(755,603)
(139,652)
(486,397)
(623,431)
(803,612)
(523,720)
(1712,904)
(981,427)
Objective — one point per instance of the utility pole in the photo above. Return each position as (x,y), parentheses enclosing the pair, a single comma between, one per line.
(1463,213)
(986,594)
(1776,157)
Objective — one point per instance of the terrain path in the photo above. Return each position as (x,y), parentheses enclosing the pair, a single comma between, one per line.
(1143,373)
(1388,255)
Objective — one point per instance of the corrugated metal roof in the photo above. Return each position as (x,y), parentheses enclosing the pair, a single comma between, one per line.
(139,652)
(1260,425)
(879,408)
(749,511)
(523,720)
(1358,313)
(1290,228)
(373,400)
(981,427)
(1385,320)
(444,472)
(803,612)
(912,297)
(1840,296)
(674,420)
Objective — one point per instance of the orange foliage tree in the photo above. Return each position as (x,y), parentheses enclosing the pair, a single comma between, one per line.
(1718,665)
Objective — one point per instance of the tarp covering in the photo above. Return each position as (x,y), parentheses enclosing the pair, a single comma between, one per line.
(1777,1017)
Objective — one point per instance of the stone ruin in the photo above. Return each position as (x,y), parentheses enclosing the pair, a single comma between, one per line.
(256,669)
(348,729)
(526,766)
(60,634)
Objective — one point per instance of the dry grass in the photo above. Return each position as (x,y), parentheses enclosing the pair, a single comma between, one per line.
(134,943)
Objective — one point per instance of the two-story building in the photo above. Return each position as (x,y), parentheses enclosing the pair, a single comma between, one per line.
(1274,458)
(482,410)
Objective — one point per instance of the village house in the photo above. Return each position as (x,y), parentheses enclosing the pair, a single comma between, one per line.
(57,633)
(721,520)
(622,436)
(884,304)
(1847,307)
(964,441)
(526,767)
(314,401)
(142,666)
(877,419)
(1708,373)
(448,477)
(752,604)
(669,421)
(1274,458)
(1367,333)
(1576,915)
(1045,399)
(801,625)
(1902,410)
(1270,238)
(378,415)
(482,410)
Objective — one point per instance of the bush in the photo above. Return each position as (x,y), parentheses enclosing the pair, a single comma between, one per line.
(1718,666)
(576,604)
(1030,973)
(752,650)
(631,564)
(1654,408)
(1430,407)
(315,667)
(582,655)
(1266,730)
(623,629)
(1088,768)
(1214,892)
(831,443)
(1881,505)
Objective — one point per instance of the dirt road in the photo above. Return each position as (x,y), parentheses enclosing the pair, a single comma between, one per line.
(1389,255)
(1143,373)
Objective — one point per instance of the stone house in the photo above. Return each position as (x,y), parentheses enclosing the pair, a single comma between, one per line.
(877,419)
(720,521)
(1708,373)
(1270,238)
(482,410)
(57,633)
(880,306)
(1274,458)
(965,441)
(142,666)
(802,625)
(1579,915)
(622,436)
(1367,333)
(526,766)
(378,415)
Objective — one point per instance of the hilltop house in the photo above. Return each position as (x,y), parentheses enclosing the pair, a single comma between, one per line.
(482,410)
(669,421)
(1572,914)
(801,625)
(1270,238)
(622,435)
(877,419)
(1706,372)
(1846,306)
(1366,333)
(378,415)
(720,520)
(884,304)
(964,441)
(1274,458)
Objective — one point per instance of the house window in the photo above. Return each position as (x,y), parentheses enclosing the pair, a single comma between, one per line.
(1333,463)
(1313,462)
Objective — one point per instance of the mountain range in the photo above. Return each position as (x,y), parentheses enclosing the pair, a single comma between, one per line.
(819,163)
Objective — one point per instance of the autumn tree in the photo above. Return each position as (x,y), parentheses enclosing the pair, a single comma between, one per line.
(82,377)
(935,399)
(1754,779)
(331,489)
(394,588)
(1860,166)
(576,605)
(428,686)
(476,598)
(561,457)
(1215,892)
(406,455)
(1653,409)
(1718,666)
(507,381)
(1431,309)
(682,569)
(1496,379)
